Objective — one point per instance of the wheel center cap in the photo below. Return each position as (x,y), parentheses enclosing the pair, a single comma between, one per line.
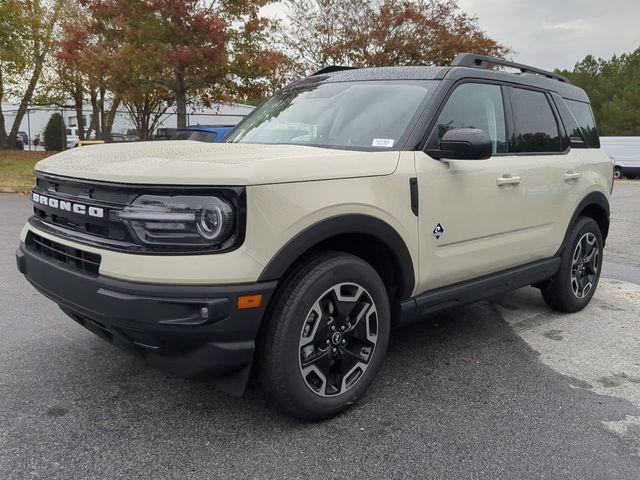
(336,338)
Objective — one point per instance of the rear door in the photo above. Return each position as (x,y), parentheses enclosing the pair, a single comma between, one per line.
(472,212)
(554,171)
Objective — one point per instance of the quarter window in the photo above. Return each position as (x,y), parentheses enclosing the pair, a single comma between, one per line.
(536,125)
(584,117)
(476,105)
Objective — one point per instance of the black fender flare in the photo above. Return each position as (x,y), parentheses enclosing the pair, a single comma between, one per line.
(594,198)
(340,225)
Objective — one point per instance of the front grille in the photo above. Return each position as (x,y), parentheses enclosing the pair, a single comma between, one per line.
(73,257)
(87,211)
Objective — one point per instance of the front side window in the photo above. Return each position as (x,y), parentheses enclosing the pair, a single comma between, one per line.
(536,126)
(359,114)
(476,105)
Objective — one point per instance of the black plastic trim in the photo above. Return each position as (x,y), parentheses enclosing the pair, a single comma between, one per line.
(339,225)
(476,289)
(485,62)
(594,198)
(413,190)
(164,323)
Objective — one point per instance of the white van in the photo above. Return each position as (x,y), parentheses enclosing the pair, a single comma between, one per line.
(625,151)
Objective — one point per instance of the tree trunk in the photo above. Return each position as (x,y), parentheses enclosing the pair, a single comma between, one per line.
(109,118)
(78,98)
(181,101)
(95,121)
(3,131)
(26,98)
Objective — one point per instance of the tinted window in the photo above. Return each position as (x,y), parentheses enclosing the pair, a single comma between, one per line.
(536,126)
(584,117)
(474,105)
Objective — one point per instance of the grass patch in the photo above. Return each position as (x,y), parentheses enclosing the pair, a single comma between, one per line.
(16,169)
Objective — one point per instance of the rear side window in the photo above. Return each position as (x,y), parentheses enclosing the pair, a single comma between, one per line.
(536,126)
(476,105)
(584,117)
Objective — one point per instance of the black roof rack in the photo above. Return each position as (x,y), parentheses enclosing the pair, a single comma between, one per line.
(481,61)
(331,69)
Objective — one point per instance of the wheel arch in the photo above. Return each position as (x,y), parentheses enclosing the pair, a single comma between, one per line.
(594,205)
(365,236)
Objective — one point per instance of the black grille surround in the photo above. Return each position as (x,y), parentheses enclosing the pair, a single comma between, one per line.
(108,231)
(72,257)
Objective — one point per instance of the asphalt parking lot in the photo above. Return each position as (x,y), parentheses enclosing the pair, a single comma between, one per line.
(499,389)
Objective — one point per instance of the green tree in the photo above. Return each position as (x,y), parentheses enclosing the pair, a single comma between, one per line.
(30,29)
(613,87)
(55,134)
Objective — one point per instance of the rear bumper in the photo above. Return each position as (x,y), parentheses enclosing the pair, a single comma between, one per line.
(190,330)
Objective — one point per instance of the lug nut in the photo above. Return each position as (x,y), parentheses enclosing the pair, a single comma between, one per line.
(344,342)
(333,328)
(342,328)
(334,350)
(328,342)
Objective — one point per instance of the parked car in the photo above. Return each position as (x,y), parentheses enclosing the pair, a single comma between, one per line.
(352,202)
(116,137)
(625,151)
(204,133)
(25,138)
(19,145)
(165,133)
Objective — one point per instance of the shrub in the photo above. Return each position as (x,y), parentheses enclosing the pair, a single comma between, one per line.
(55,134)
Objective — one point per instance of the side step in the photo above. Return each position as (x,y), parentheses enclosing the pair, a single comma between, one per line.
(477,289)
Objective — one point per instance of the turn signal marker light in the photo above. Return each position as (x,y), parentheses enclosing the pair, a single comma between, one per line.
(249,301)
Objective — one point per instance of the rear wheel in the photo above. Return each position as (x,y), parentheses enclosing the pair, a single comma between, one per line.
(326,337)
(573,286)
(617,173)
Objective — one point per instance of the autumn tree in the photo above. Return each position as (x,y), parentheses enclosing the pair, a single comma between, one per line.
(89,48)
(375,33)
(200,51)
(26,35)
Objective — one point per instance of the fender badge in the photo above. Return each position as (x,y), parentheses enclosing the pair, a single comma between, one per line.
(438,231)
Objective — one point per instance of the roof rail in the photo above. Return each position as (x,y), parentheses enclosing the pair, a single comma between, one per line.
(331,69)
(481,61)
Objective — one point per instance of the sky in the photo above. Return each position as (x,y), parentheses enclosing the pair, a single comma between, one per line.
(553,33)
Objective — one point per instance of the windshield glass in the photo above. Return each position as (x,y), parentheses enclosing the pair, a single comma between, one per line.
(364,114)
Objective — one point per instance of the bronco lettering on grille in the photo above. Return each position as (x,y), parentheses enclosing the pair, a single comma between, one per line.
(77,208)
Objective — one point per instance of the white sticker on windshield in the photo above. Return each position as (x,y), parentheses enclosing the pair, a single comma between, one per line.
(382,142)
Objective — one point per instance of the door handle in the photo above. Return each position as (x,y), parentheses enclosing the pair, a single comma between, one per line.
(508,179)
(571,176)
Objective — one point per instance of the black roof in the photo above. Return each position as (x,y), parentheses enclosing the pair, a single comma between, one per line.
(526,76)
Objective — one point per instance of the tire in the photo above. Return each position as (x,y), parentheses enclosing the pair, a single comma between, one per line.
(573,286)
(618,173)
(300,328)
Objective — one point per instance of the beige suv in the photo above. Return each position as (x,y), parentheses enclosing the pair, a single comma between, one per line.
(352,202)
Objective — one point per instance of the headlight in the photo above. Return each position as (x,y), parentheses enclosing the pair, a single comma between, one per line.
(182,221)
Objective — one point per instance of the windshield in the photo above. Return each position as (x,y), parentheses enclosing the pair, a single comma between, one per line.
(364,114)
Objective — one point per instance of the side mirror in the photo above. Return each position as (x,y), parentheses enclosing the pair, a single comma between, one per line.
(463,144)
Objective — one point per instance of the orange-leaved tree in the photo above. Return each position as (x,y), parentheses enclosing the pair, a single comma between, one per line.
(375,33)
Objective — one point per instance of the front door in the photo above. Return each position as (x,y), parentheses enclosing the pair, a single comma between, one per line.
(472,212)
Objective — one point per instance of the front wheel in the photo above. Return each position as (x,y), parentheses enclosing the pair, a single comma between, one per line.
(326,337)
(573,286)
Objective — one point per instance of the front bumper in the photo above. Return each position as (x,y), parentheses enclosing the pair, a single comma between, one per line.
(190,330)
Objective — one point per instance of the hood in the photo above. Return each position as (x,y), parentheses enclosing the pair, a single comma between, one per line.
(187,162)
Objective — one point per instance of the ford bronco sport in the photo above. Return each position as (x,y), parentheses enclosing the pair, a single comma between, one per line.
(351,202)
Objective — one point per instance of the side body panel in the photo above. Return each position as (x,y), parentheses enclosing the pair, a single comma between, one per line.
(485,226)
(489,229)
